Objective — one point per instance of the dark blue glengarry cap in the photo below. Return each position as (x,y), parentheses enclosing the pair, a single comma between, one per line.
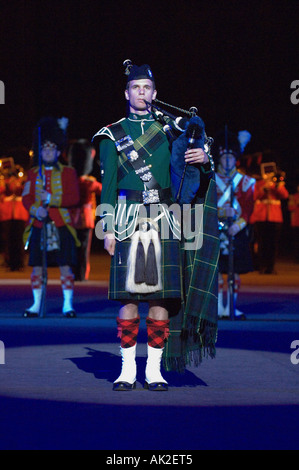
(140,72)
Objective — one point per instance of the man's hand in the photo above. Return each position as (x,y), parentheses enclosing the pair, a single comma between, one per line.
(41,213)
(230,212)
(233,230)
(109,243)
(45,196)
(198,156)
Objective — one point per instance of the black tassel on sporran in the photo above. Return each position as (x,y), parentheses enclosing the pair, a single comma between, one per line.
(151,270)
(140,264)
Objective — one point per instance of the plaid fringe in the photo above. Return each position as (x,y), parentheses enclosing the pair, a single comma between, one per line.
(196,344)
(193,331)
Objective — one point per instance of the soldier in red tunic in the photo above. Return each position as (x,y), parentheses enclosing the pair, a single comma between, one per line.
(13,215)
(294,209)
(81,156)
(51,191)
(267,215)
(237,208)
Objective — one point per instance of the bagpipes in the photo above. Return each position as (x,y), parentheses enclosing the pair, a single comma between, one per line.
(192,135)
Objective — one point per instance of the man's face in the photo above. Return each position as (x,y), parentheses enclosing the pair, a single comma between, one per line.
(50,152)
(228,161)
(137,92)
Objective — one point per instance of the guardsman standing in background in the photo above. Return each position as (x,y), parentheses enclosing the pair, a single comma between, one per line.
(50,194)
(267,216)
(13,215)
(294,209)
(81,156)
(238,209)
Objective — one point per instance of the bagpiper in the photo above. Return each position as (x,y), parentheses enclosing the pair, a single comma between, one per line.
(143,238)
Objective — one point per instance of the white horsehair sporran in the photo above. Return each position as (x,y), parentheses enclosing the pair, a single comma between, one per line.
(144,260)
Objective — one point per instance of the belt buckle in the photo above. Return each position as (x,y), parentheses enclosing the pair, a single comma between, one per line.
(124,143)
(150,196)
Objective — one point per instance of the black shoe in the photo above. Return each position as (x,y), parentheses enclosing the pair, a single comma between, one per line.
(70,314)
(270,271)
(156,387)
(223,317)
(123,386)
(28,314)
(241,317)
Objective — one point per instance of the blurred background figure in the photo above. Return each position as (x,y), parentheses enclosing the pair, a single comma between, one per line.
(50,194)
(81,158)
(13,215)
(267,216)
(235,205)
(293,207)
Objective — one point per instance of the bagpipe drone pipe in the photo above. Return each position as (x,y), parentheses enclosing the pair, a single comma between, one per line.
(185,178)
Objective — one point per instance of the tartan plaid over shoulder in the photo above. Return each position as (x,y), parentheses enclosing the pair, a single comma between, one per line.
(145,144)
(193,332)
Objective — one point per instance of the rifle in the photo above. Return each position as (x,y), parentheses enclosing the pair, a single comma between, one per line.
(231,270)
(42,309)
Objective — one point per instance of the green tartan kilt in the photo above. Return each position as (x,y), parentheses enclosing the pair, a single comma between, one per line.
(170,267)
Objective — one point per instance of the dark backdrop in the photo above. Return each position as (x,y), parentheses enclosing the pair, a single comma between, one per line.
(234,60)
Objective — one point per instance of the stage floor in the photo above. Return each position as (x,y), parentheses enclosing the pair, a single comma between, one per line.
(56,383)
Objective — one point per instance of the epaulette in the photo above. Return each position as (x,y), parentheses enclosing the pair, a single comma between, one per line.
(247,183)
(106,131)
(58,165)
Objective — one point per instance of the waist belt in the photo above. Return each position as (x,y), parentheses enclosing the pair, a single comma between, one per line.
(148,196)
(268,201)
